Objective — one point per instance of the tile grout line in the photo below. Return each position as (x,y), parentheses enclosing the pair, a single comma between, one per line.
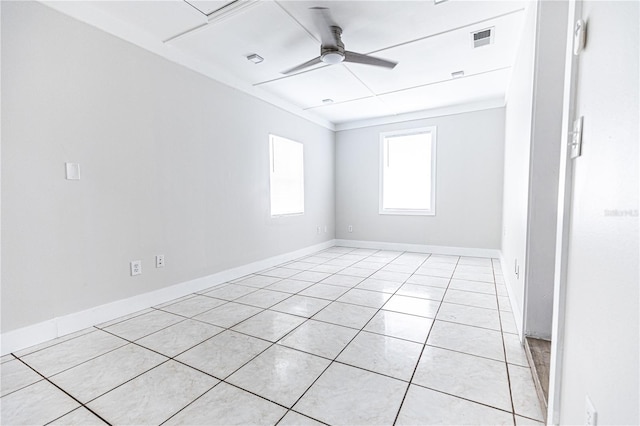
(15,354)
(223,380)
(348,343)
(332,361)
(186,365)
(504,349)
(291,331)
(272,345)
(307,319)
(66,393)
(128,341)
(464,398)
(406,392)
(387,262)
(230,328)
(479,356)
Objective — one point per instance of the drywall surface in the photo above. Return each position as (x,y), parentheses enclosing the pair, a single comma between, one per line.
(518,131)
(469,167)
(601,332)
(546,143)
(171,163)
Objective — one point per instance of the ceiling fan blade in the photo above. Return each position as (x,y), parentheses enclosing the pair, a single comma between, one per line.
(324,22)
(359,58)
(307,64)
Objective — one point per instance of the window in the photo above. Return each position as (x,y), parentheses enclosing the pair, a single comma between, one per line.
(286,176)
(407,172)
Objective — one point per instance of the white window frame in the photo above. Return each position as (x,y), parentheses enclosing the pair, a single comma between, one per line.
(410,212)
(272,140)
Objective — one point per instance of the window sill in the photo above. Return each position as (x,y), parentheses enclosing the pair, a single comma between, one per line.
(399,212)
(275,216)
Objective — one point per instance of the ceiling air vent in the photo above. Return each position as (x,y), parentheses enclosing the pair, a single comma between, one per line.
(482,37)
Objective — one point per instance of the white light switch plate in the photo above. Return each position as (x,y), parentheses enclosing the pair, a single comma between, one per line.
(591,418)
(579,36)
(576,139)
(73,171)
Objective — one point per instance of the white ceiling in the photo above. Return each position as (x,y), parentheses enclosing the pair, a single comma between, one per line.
(429,41)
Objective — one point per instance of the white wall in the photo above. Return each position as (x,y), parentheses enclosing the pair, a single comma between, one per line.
(601,332)
(518,131)
(171,162)
(468,184)
(546,140)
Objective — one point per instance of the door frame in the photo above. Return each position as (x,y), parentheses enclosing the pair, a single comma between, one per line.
(565,189)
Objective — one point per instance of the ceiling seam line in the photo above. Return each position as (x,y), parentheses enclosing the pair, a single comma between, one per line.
(290,75)
(401,90)
(211,17)
(447,31)
(185,32)
(393,46)
(443,81)
(340,102)
(187,2)
(370,90)
(296,21)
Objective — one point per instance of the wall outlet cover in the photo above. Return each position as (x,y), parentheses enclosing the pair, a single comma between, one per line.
(72,171)
(136,267)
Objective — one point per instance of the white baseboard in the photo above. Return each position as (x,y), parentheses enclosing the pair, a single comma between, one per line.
(421,248)
(515,307)
(25,337)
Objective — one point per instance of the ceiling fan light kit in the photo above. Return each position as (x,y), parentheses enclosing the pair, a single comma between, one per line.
(332,57)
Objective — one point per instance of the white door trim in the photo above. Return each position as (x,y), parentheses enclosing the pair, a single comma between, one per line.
(564,218)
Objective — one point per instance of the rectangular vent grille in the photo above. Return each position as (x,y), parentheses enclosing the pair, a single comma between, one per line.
(482,38)
(482,34)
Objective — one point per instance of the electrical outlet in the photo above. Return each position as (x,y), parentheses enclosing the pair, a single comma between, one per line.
(516,270)
(591,418)
(72,171)
(160,261)
(318,230)
(350,228)
(325,229)
(136,267)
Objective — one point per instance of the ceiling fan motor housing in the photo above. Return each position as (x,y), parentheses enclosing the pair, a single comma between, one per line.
(333,54)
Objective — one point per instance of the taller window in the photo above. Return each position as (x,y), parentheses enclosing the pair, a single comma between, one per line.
(286,176)
(407,172)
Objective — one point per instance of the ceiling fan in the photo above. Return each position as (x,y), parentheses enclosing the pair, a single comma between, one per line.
(332,49)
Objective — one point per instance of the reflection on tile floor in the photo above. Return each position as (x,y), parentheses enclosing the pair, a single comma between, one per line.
(344,336)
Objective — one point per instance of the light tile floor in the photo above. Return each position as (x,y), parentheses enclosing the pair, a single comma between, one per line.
(345,336)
